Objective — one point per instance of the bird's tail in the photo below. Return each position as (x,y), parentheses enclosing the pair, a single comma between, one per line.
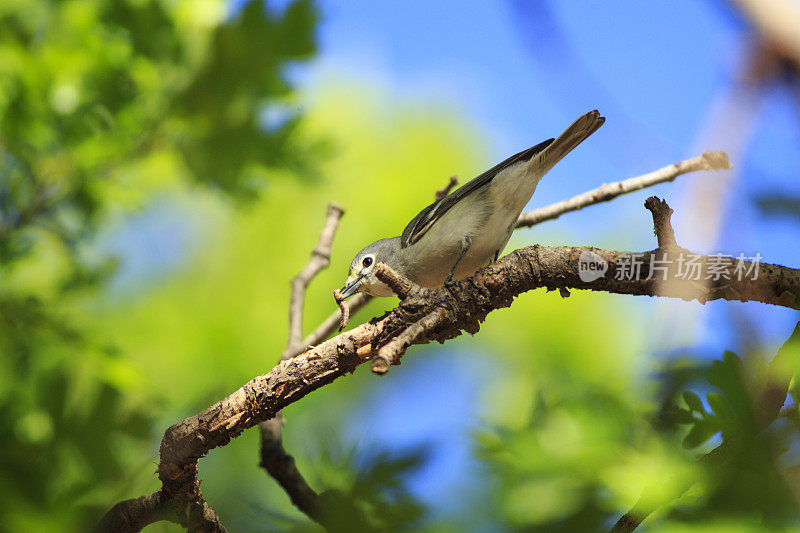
(572,137)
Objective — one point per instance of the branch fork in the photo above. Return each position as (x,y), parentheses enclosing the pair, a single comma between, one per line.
(391,352)
(400,285)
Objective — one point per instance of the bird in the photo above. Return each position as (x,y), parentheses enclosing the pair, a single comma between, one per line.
(455,236)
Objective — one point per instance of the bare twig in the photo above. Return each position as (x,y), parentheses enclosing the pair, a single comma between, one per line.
(320,259)
(400,285)
(391,352)
(629,521)
(662,222)
(187,509)
(444,191)
(134,515)
(274,458)
(281,466)
(707,161)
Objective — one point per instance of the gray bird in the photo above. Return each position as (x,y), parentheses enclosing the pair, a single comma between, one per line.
(467,229)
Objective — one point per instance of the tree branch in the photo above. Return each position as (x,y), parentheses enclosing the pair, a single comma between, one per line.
(189,510)
(423,316)
(319,260)
(444,191)
(605,193)
(281,466)
(274,458)
(662,222)
(461,307)
(134,515)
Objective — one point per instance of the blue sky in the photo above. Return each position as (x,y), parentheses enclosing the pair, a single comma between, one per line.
(515,70)
(522,71)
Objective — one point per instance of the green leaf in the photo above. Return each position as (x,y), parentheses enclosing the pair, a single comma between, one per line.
(699,434)
(728,376)
(732,359)
(727,418)
(676,415)
(720,406)
(693,401)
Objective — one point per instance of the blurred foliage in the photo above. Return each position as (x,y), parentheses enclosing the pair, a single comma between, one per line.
(131,297)
(778,205)
(376,498)
(104,106)
(575,454)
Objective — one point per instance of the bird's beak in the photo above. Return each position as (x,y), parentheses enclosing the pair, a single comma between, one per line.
(351,287)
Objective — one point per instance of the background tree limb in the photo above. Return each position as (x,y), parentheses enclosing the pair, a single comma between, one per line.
(274,458)
(706,161)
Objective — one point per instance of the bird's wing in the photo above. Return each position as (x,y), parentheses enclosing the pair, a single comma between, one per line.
(428,216)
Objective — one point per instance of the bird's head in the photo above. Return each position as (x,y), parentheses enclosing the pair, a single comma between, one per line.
(361,277)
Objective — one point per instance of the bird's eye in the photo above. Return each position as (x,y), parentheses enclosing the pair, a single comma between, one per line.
(366,262)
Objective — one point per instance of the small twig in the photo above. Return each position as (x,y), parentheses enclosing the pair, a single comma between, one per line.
(133,515)
(274,458)
(707,161)
(399,284)
(662,222)
(391,353)
(190,510)
(281,466)
(320,259)
(444,191)
(628,522)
